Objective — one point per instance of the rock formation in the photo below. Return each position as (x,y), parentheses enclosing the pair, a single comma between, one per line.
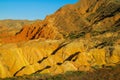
(91,32)
(55,56)
(84,17)
(39,29)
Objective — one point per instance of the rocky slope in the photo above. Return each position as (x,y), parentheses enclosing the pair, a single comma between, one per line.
(39,29)
(55,56)
(78,37)
(86,16)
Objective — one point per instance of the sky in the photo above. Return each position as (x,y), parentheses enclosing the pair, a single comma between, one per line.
(30,9)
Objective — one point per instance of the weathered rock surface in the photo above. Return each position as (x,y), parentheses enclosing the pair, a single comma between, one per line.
(87,16)
(54,57)
(39,29)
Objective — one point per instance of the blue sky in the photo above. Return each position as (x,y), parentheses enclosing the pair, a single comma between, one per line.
(30,9)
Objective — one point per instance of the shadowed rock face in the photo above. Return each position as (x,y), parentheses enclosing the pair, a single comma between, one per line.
(87,14)
(93,29)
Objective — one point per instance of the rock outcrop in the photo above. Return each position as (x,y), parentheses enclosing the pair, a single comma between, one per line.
(39,29)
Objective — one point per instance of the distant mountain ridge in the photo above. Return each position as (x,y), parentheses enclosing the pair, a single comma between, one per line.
(10,27)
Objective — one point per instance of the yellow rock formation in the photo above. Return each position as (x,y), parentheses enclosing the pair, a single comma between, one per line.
(52,56)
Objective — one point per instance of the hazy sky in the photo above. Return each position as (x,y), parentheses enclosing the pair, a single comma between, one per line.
(30,9)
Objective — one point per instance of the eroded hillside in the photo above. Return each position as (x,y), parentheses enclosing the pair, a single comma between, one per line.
(11,27)
(37,30)
(79,37)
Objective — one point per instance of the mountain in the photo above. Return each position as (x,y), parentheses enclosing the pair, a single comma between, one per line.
(80,37)
(94,17)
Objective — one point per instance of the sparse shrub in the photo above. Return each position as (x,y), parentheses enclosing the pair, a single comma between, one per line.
(76,35)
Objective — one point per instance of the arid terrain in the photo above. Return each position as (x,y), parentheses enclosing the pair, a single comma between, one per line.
(79,41)
(11,27)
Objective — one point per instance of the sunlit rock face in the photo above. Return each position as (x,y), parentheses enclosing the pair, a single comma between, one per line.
(39,29)
(76,37)
(55,56)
